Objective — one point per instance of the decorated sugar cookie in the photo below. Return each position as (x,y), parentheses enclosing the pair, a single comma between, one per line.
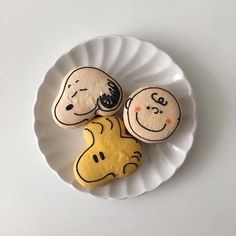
(110,153)
(151,114)
(84,93)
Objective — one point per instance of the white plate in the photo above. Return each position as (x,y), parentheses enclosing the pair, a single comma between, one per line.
(133,63)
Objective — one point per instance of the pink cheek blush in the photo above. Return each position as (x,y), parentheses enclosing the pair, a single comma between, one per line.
(137,109)
(168,121)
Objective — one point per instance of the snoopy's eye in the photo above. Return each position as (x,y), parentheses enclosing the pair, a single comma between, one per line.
(76,81)
(148,107)
(69,107)
(161,112)
(69,86)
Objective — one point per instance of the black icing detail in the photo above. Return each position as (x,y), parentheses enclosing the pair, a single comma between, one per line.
(127,132)
(74,94)
(69,107)
(130,163)
(138,158)
(100,125)
(110,101)
(130,137)
(139,153)
(85,89)
(156,110)
(127,103)
(102,156)
(95,158)
(160,100)
(110,122)
(178,118)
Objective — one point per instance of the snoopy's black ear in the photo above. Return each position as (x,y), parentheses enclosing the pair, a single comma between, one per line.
(108,101)
(127,103)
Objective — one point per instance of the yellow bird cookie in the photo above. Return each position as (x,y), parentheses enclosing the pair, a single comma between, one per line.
(111,153)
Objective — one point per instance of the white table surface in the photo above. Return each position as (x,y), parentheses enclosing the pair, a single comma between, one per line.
(201,197)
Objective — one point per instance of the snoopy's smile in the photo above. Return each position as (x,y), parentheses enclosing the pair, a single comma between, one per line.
(81,114)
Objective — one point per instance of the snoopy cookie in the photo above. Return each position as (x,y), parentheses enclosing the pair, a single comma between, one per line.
(151,114)
(111,153)
(84,93)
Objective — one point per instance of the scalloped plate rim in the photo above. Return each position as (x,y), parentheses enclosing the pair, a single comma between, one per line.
(194,113)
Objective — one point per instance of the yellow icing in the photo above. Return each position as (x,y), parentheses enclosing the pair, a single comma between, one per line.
(110,153)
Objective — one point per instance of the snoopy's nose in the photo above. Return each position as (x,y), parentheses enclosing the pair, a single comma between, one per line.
(156,110)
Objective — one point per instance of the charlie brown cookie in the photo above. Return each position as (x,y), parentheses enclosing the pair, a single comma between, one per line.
(84,93)
(111,153)
(151,114)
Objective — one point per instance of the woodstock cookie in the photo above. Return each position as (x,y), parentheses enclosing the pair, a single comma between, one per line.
(151,114)
(84,93)
(111,153)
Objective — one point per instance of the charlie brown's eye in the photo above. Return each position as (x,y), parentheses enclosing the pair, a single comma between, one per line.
(148,107)
(69,86)
(161,112)
(69,107)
